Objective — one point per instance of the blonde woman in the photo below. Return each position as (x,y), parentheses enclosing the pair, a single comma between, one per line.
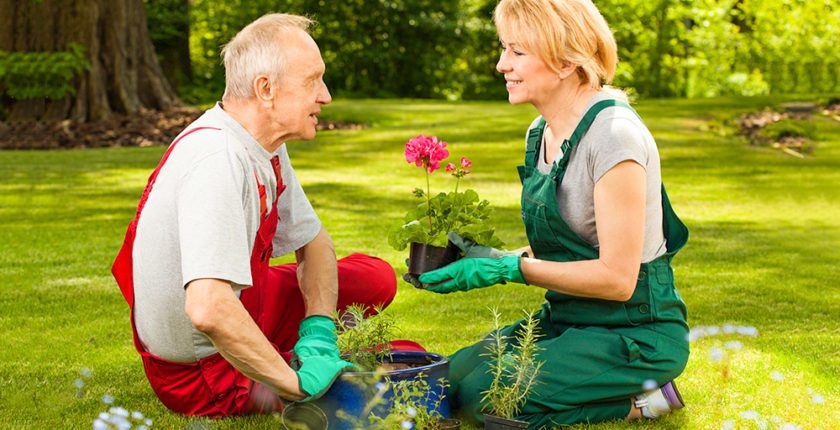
(601,230)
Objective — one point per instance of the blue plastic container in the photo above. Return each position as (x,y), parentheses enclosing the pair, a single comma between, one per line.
(352,391)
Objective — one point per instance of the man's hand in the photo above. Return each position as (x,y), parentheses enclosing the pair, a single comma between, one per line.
(316,337)
(317,374)
(316,356)
(471,273)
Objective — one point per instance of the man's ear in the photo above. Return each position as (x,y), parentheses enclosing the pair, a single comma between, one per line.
(264,91)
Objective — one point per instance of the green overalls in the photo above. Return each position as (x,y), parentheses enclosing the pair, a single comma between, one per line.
(597,354)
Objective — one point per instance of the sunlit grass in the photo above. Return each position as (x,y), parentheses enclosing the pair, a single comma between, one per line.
(765,234)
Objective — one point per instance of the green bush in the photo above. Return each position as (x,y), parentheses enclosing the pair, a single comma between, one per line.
(33,75)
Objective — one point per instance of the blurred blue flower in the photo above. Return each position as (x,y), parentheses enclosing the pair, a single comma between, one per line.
(750,415)
(733,345)
(649,385)
(716,354)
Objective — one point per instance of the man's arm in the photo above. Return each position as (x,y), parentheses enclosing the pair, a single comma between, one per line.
(215,310)
(317,275)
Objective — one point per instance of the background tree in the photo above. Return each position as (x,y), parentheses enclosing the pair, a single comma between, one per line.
(122,73)
(169,29)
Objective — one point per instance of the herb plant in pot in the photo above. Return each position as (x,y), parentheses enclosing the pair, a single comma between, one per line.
(366,342)
(514,369)
(425,227)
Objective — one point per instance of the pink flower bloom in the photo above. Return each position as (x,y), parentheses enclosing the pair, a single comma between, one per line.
(426,151)
(465,162)
(450,167)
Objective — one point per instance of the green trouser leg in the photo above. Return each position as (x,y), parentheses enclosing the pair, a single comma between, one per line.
(589,373)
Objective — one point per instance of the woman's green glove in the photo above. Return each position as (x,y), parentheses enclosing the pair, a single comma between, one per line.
(469,273)
(474,250)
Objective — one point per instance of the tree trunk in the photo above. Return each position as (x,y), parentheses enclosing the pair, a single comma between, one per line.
(124,73)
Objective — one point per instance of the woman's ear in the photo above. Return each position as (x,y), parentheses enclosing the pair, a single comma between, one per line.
(566,70)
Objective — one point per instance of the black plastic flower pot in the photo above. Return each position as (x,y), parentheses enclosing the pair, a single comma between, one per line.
(492,422)
(424,258)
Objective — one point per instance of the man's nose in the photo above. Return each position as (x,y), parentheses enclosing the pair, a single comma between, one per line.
(325,98)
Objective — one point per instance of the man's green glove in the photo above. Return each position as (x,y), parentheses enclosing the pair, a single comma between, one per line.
(469,273)
(316,356)
(317,374)
(316,336)
(474,250)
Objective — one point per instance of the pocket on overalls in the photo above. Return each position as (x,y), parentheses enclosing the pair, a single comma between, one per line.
(640,307)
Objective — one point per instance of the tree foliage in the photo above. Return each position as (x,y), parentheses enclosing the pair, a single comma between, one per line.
(448,48)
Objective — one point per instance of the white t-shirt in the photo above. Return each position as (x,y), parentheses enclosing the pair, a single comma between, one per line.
(615,135)
(200,221)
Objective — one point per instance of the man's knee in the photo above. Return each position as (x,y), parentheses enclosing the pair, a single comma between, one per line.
(374,276)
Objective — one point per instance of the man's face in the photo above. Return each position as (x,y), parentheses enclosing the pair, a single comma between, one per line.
(301,91)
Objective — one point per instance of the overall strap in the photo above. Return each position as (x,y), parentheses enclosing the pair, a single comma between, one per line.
(533,143)
(154,175)
(583,126)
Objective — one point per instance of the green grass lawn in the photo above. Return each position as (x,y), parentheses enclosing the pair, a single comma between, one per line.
(765,232)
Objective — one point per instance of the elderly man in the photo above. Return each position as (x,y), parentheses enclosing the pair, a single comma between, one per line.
(214,324)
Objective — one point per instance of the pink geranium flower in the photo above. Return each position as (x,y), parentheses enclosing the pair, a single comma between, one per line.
(450,167)
(465,162)
(426,151)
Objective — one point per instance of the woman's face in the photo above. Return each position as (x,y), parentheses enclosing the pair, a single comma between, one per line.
(527,78)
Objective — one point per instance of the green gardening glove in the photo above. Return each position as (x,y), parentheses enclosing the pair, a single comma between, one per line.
(316,356)
(474,250)
(470,273)
(317,374)
(316,336)
(469,249)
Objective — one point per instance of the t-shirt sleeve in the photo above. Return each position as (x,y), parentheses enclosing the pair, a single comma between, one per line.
(211,222)
(299,223)
(612,141)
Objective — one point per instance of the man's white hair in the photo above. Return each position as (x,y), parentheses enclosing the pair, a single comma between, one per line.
(257,50)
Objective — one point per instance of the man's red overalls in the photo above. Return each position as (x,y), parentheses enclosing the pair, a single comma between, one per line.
(212,386)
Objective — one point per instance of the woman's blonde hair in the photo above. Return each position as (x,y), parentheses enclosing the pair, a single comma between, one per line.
(560,32)
(258,50)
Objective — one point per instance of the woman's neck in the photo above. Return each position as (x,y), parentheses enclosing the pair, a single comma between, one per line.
(564,109)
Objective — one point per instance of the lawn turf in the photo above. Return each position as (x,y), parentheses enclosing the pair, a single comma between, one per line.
(765,231)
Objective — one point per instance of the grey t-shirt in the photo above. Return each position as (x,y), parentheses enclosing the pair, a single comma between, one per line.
(200,221)
(616,135)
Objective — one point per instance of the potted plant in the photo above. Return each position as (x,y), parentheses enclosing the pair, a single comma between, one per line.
(425,226)
(366,342)
(514,369)
(405,407)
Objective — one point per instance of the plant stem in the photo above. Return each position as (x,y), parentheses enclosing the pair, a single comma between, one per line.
(428,202)
(457,182)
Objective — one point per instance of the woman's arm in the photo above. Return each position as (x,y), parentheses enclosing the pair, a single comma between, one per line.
(620,218)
